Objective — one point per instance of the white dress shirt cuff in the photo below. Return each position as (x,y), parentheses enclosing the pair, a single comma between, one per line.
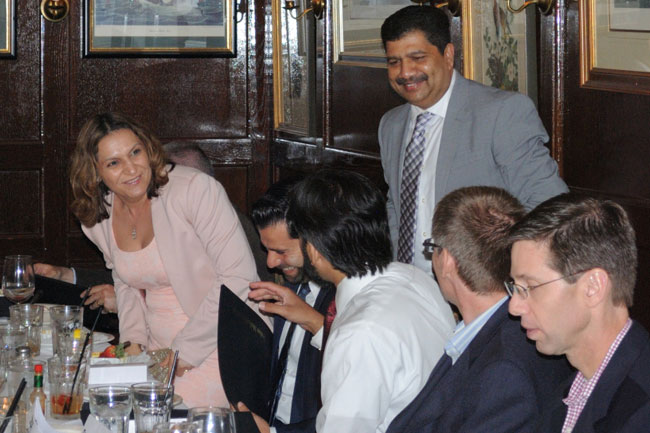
(317,340)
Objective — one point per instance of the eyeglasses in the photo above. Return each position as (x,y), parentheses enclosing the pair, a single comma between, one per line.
(430,246)
(512,287)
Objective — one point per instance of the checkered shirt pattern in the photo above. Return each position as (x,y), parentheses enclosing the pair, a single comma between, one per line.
(582,387)
(409,188)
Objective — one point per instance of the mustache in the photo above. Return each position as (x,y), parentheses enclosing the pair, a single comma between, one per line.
(411,80)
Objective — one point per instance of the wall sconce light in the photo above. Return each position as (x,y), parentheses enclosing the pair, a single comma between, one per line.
(317,7)
(453,6)
(241,10)
(544,6)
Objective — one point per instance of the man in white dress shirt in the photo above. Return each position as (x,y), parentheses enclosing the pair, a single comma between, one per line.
(391,320)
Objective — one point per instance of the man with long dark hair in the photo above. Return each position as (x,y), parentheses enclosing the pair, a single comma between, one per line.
(391,320)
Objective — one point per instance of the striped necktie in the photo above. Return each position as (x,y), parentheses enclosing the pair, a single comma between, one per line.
(409,188)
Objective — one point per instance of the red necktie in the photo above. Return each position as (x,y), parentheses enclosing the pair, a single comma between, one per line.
(329,318)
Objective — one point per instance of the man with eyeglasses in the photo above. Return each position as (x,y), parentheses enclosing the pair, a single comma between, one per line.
(574,263)
(491,379)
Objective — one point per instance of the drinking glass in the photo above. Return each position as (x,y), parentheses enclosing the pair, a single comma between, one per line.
(12,336)
(177,427)
(31,317)
(18,278)
(65,320)
(111,405)
(65,402)
(213,419)
(152,404)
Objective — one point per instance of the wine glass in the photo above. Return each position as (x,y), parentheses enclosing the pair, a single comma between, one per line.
(18,278)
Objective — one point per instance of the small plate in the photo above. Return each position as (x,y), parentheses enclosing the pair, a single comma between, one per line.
(102,337)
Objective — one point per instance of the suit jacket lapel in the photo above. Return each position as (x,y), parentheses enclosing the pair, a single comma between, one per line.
(449,140)
(401,137)
(600,402)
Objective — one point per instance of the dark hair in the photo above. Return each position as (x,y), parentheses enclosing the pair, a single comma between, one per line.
(190,155)
(584,233)
(272,207)
(89,192)
(343,215)
(430,20)
(473,224)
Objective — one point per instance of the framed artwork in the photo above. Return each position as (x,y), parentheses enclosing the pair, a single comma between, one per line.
(499,47)
(159,28)
(614,41)
(357,24)
(7,29)
(294,89)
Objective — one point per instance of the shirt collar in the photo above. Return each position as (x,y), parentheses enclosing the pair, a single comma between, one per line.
(463,335)
(349,287)
(440,107)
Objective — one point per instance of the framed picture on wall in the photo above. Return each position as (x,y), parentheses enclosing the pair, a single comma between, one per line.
(499,46)
(294,88)
(614,41)
(159,28)
(7,29)
(357,24)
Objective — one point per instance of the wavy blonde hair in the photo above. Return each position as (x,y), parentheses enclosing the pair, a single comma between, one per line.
(88,190)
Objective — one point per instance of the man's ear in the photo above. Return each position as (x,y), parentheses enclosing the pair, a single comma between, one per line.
(313,254)
(448,55)
(596,286)
(449,264)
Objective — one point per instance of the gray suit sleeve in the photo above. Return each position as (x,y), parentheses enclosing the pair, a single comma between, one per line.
(386,160)
(518,149)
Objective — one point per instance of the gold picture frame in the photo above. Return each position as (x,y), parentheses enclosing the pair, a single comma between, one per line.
(614,40)
(152,28)
(7,29)
(499,47)
(356,29)
(293,70)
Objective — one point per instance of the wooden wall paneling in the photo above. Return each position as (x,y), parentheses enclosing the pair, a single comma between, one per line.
(21,150)
(600,137)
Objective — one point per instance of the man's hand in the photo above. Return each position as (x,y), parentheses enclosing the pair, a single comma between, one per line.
(287,304)
(261,423)
(103,294)
(56,272)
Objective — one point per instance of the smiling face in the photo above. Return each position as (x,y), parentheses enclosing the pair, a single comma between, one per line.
(283,252)
(553,315)
(123,165)
(417,70)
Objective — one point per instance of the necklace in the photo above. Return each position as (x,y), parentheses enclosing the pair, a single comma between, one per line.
(134,233)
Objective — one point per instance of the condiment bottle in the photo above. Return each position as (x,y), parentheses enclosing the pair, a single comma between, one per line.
(38,387)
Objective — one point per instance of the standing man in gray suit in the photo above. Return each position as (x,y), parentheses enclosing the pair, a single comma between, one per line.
(452,133)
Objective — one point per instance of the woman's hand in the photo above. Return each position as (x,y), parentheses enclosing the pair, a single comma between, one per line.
(133,349)
(182,366)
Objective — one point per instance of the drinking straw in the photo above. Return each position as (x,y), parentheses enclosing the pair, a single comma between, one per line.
(172,369)
(14,403)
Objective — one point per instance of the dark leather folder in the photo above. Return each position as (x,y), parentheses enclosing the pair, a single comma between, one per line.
(244,345)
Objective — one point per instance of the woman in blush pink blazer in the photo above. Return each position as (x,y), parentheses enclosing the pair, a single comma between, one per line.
(171,237)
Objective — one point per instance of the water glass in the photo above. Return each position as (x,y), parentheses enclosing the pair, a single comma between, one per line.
(177,427)
(213,419)
(12,336)
(64,373)
(18,278)
(111,405)
(152,405)
(31,317)
(65,319)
